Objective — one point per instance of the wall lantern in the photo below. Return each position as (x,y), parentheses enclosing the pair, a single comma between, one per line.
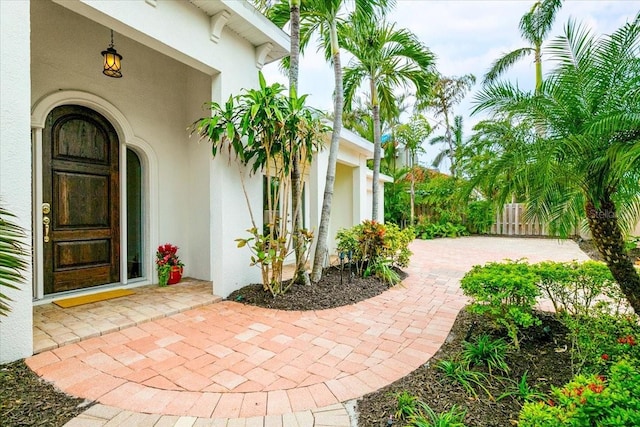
(111,61)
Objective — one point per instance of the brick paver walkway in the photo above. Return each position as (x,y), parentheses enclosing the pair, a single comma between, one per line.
(232,361)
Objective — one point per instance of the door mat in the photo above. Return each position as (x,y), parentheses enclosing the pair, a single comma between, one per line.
(87,299)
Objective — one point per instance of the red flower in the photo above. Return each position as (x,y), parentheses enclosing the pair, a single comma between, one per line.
(596,388)
(551,402)
(605,357)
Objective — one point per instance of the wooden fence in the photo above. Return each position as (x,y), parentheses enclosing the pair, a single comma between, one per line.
(510,222)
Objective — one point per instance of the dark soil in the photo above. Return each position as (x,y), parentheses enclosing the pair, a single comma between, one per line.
(333,290)
(27,400)
(543,355)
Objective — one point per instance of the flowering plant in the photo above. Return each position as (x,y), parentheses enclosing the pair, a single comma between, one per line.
(166,259)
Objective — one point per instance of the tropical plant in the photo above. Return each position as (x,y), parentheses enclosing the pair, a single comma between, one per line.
(486,351)
(411,136)
(322,18)
(534,28)
(265,130)
(376,247)
(12,257)
(427,417)
(453,145)
(445,94)
(384,58)
(522,391)
(459,372)
(582,156)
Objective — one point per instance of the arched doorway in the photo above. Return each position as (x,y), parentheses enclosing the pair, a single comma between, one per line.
(81,200)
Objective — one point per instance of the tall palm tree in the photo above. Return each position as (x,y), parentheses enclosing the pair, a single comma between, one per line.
(534,28)
(411,136)
(445,94)
(321,18)
(454,141)
(582,155)
(384,58)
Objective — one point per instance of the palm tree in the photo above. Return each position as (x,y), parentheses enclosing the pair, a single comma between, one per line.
(321,17)
(534,28)
(581,156)
(385,58)
(411,136)
(12,257)
(446,93)
(454,145)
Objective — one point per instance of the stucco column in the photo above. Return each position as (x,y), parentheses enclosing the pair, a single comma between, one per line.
(360,211)
(16,330)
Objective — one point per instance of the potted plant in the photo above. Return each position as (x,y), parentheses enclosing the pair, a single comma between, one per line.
(168,265)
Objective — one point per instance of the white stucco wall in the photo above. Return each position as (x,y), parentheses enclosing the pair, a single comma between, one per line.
(16,339)
(342,207)
(200,205)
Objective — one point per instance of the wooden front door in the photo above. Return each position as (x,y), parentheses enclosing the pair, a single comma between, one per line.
(81,186)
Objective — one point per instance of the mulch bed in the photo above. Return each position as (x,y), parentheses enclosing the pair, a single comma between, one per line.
(27,400)
(542,356)
(335,289)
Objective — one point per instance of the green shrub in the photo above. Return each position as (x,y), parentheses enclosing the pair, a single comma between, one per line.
(599,340)
(428,231)
(375,248)
(480,217)
(575,287)
(506,292)
(591,401)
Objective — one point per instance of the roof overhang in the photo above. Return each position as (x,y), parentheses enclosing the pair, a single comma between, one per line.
(246,21)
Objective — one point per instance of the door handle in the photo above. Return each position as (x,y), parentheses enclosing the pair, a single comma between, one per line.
(46,222)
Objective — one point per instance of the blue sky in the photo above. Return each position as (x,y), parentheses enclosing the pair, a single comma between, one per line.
(466,36)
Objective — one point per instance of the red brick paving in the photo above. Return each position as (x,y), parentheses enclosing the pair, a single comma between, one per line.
(231,360)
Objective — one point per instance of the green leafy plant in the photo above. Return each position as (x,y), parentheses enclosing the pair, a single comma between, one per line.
(593,400)
(599,340)
(487,351)
(460,373)
(522,391)
(12,257)
(268,131)
(480,216)
(375,248)
(428,231)
(506,292)
(427,417)
(577,287)
(406,405)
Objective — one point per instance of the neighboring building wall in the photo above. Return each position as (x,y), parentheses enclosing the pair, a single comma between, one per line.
(342,212)
(16,340)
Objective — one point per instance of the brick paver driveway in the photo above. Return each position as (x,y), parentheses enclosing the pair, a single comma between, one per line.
(231,361)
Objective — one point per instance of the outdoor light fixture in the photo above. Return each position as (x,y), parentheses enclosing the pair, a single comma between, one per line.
(111,61)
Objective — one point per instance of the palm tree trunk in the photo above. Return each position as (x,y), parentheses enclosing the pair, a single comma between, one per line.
(322,246)
(296,180)
(413,197)
(603,223)
(538,61)
(377,149)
